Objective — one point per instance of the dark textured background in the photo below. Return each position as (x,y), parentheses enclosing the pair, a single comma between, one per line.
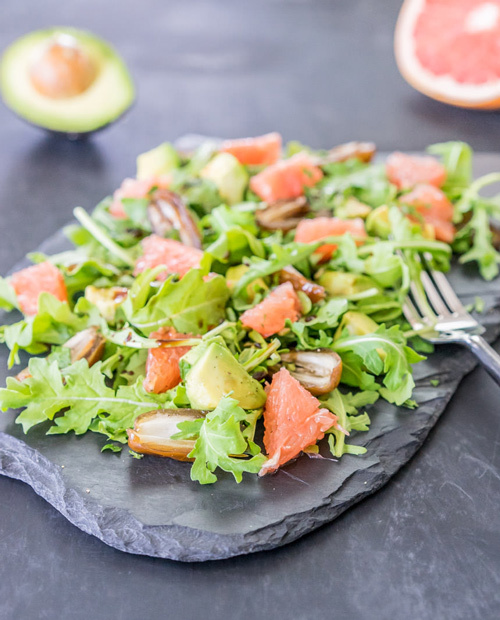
(426,546)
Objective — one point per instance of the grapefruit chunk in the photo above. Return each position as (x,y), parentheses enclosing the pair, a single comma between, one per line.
(286,179)
(448,50)
(269,316)
(134,188)
(405,171)
(264,150)
(30,282)
(177,257)
(435,208)
(293,420)
(309,231)
(162,364)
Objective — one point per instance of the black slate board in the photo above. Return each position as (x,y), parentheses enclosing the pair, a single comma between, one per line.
(151,507)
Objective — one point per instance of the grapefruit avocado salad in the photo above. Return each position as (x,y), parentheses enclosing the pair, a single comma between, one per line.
(240,304)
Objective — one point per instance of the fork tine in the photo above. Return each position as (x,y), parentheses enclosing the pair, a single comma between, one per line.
(411,314)
(446,290)
(433,295)
(421,303)
(448,293)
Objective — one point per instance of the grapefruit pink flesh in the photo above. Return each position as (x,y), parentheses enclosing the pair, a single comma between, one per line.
(435,208)
(286,179)
(268,317)
(309,231)
(293,420)
(162,364)
(134,188)
(30,282)
(405,171)
(177,257)
(263,150)
(448,50)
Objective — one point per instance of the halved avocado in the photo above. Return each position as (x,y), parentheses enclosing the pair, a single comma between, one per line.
(65,80)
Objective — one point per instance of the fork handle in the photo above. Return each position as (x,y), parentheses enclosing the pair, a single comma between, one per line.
(486,355)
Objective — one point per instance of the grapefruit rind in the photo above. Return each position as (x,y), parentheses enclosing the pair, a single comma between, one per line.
(443,88)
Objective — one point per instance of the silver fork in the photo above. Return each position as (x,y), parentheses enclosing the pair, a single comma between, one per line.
(435,306)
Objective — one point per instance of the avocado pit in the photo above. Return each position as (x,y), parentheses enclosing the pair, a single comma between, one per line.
(62,69)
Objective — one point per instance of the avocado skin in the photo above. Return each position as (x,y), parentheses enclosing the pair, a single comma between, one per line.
(217,373)
(107,99)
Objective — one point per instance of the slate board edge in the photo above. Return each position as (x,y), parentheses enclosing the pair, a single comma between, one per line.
(20,461)
(17,458)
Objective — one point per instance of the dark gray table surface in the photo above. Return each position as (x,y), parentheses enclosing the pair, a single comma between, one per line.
(428,544)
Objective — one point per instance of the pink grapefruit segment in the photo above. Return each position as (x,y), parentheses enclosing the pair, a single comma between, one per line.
(263,150)
(269,316)
(293,420)
(309,231)
(435,208)
(162,364)
(29,283)
(286,179)
(134,188)
(448,50)
(406,171)
(177,257)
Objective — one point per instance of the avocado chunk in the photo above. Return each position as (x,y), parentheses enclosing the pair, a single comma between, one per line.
(229,176)
(157,161)
(357,324)
(377,222)
(65,80)
(215,373)
(341,284)
(234,274)
(353,208)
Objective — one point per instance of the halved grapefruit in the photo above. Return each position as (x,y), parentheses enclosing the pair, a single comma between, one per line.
(449,50)
(293,420)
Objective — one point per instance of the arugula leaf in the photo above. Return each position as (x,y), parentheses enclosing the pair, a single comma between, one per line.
(281,256)
(8,297)
(224,218)
(103,238)
(346,256)
(354,401)
(383,353)
(220,437)
(130,401)
(481,248)
(336,438)
(55,323)
(457,159)
(79,269)
(81,397)
(367,182)
(316,330)
(191,305)
(234,244)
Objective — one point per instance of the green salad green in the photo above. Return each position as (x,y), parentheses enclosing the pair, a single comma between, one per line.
(196,282)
